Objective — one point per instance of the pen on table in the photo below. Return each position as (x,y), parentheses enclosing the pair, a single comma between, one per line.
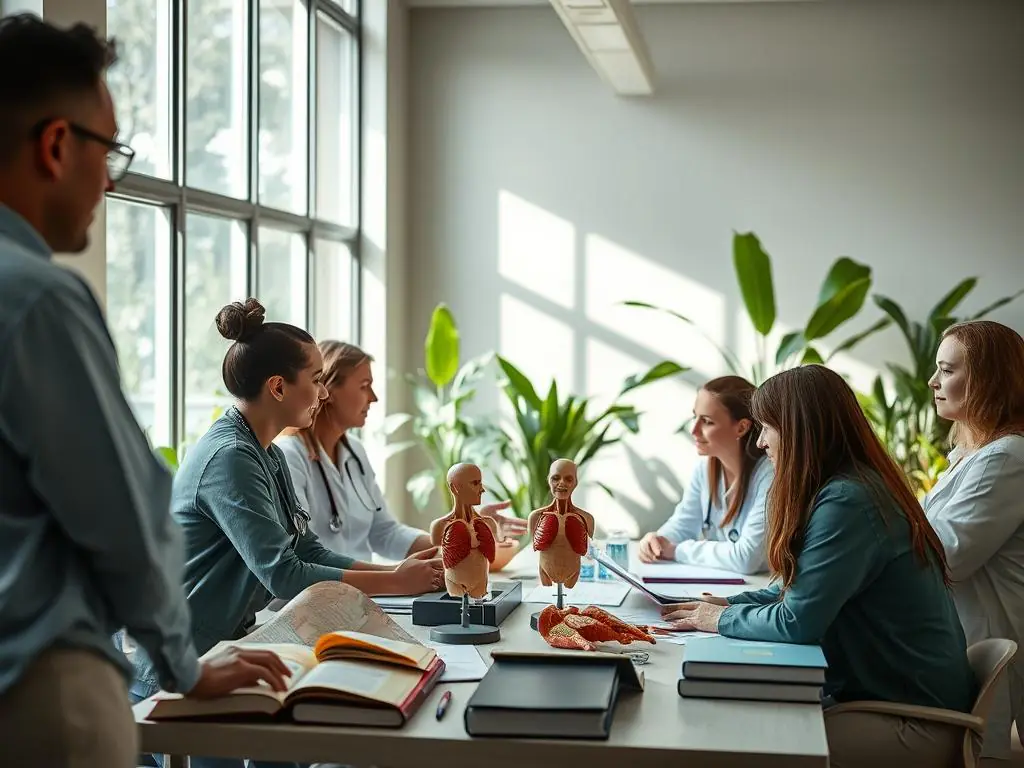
(442,705)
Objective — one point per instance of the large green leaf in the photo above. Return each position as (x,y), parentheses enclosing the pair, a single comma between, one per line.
(441,348)
(997,304)
(893,310)
(790,345)
(661,370)
(843,272)
(519,384)
(169,455)
(857,338)
(754,274)
(837,310)
(811,355)
(420,486)
(949,302)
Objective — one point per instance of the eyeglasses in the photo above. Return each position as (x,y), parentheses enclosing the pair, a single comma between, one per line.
(119,156)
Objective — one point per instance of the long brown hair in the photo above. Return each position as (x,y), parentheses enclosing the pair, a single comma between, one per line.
(823,433)
(734,392)
(340,359)
(994,364)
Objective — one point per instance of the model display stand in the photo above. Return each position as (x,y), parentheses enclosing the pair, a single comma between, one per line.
(468,543)
(441,608)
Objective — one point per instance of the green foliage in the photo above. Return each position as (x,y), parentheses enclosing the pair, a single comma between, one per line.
(904,414)
(441,429)
(559,426)
(840,299)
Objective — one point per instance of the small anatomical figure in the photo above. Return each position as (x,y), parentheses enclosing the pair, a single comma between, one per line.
(467,540)
(561,530)
(580,629)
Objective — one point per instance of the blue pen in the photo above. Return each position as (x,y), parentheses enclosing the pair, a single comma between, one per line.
(442,705)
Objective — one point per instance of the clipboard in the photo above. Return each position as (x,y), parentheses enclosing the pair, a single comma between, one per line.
(636,582)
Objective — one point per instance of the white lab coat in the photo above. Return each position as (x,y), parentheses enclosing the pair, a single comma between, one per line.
(977,510)
(714,548)
(365,529)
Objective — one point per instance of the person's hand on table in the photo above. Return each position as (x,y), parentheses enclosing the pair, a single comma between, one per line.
(508,527)
(654,547)
(700,615)
(239,668)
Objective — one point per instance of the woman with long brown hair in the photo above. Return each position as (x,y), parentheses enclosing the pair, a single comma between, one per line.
(858,570)
(720,521)
(977,506)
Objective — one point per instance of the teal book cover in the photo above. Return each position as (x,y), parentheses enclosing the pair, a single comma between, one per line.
(726,650)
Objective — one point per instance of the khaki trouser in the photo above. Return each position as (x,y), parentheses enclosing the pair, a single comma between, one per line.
(69,710)
(871,740)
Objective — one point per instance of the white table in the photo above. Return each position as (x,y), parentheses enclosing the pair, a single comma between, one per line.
(655,728)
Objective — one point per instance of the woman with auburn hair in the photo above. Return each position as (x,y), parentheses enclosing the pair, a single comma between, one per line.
(858,570)
(977,506)
(720,520)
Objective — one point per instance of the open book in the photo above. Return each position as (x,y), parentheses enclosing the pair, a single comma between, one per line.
(350,665)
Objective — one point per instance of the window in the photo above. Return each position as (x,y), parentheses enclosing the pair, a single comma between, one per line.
(244,118)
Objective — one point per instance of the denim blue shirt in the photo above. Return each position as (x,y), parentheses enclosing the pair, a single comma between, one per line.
(238,509)
(87,543)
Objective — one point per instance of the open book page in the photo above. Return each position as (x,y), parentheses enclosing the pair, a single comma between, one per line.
(361,679)
(327,607)
(299,660)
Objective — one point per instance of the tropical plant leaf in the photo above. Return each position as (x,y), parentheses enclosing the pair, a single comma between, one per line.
(604,488)
(811,355)
(420,486)
(441,347)
(519,384)
(394,422)
(949,302)
(731,361)
(997,304)
(893,310)
(790,345)
(661,370)
(393,449)
(842,273)
(838,309)
(754,274)
(169,455)
(857,338)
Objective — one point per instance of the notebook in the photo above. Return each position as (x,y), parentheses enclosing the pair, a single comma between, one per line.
(550,695)
(724,658)
(350,678)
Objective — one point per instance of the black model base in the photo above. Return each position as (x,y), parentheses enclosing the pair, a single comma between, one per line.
(441,608)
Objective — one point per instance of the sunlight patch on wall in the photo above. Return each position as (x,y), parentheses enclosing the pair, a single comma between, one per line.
(536,249)
(537,344)
(616,274)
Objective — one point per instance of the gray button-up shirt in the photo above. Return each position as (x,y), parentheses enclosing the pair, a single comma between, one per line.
(87,541)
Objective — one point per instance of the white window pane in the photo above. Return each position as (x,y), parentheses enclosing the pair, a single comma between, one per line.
(281,276)
(215,274)
(217,108)
(283,124)
(335,122)
(140,82)
(139,310)
(332,291)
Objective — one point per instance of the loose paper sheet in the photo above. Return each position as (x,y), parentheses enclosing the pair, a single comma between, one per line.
(462,662)
(584,593)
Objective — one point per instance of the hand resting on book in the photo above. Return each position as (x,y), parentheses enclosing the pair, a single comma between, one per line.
(234,668)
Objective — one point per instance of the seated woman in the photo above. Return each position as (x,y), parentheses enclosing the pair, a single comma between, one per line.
(720,521)
(977,506)
(247,539)
(332,474)
(858,570)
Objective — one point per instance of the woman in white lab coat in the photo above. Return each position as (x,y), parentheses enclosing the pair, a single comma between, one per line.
(720,521)
(977,506)
(332,475)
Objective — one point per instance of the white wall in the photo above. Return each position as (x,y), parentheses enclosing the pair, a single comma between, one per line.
(889,132)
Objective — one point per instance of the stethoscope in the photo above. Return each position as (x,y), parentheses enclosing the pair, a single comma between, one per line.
(335,522)
(733,534)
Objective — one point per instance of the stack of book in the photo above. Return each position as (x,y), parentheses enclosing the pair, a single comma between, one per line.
(723,668)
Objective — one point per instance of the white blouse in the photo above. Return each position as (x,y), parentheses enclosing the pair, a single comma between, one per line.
(977,510)
(366,525)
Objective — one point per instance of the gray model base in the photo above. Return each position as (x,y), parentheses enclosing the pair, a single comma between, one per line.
(534,619)
(456,634)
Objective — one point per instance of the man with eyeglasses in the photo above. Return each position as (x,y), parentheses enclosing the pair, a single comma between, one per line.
(87,542)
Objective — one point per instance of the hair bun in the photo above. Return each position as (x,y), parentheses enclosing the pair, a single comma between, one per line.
(238,322)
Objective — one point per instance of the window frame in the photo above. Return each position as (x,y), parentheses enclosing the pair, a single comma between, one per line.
(180,200)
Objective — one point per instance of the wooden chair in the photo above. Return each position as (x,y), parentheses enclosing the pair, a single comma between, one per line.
(988,660)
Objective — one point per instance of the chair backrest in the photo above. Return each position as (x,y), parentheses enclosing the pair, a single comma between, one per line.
(988,659)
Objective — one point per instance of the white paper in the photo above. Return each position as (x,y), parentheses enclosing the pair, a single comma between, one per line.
(462,662)
(584,593)
(680,638)
(693,573)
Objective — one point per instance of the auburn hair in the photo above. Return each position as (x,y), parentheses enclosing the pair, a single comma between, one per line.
(340,359)
(823,433)
(734,393)
(994,367)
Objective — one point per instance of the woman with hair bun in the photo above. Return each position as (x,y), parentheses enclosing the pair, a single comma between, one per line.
(247,539)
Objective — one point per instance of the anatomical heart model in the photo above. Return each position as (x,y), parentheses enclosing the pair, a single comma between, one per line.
(467,539)
(561,531)
(467,542)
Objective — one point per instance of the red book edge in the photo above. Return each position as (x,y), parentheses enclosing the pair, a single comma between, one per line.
(419,694)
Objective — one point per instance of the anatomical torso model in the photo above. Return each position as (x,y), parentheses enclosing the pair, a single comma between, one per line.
(467,540)
(561,531)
